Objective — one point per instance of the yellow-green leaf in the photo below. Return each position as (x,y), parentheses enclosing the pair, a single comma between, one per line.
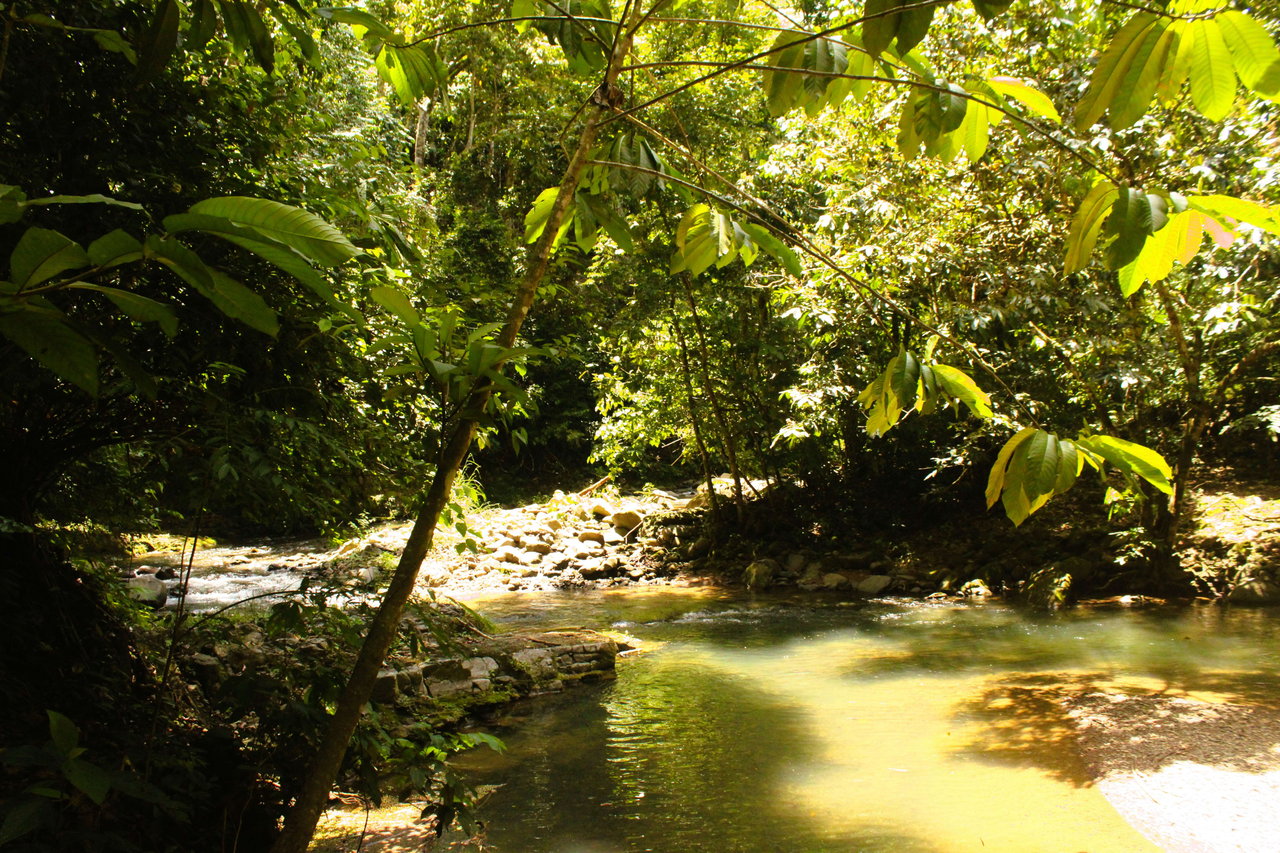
(1087,224)
(1113,67)
(1213,77)
(1024,93)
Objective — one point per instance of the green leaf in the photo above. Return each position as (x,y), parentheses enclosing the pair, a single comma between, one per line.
(1213,79)
(204,23)
(160,39)
(47,336)
(1253,53)
(996,479)
(704,237)
(414,71)
(988,9)
(1131,458)
(299,229)
(11,203)
(1129,224)
(775,248)
(536,219)
(230,296)
(24,817)
(92,198)
(140,308)
(1145,73)
(397,304)
(1087,225)
(272,251)
(879,29)
(1033,99)
(89,778)
(785,90)
(42,254)
(64,733)
(956,384)
(913,26)
(1178,241)
(114,249)
(1113,68)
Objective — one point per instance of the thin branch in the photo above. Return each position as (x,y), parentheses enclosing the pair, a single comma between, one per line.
(917,84)
(924,4)
(493,22)
(810,248)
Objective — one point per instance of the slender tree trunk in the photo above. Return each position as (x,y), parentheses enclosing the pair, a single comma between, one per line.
(301,820)
(717,411)
(693,414)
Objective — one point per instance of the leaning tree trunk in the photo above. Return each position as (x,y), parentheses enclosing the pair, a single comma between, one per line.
(301,820)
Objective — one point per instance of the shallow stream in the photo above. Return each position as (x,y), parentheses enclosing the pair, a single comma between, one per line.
(801,724)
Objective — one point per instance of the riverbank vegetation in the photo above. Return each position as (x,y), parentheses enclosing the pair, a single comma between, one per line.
(286,267)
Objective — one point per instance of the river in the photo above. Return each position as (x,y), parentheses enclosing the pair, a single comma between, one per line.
(795,723)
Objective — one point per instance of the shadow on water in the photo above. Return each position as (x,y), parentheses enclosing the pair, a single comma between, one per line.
(673,757)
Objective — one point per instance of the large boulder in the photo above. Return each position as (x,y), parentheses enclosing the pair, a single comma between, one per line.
(1256,591)
(148,590)
(874,584)
(761,574)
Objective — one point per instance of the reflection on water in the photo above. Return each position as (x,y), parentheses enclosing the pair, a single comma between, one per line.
(778,724)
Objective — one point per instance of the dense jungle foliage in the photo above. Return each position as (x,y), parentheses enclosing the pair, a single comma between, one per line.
(267,268)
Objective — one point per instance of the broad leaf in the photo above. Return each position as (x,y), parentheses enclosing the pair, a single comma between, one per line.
(1253,52)
(1131,458)
(299,229)
(1213,79)
(140,308)
(42,254)
(1033,99)
(47,336)
(113,249)
(397,304)
(1113,67)
(1087,225)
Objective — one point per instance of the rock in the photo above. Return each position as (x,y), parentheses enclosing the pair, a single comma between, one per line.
(165,574)
(594,569)
(507,554)
(530,558)
(591,536)
(588,549)
(1255,591)
(434,577)
(796,563)
(613,537)
(600,509)
(699,547)
(975,589)
(834,580)
(556,560)
(148,591)
(554,524)
(761,573)
(874,584)
(538,547)
(348,547)
(628,519)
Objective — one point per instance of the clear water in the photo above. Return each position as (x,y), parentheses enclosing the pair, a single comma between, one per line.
(789,724)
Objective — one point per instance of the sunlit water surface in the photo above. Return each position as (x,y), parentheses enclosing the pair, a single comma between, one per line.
(780,724)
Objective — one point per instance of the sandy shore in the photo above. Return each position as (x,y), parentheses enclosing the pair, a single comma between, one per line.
(1194,777)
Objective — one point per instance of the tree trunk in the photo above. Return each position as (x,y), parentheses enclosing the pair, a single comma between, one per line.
(301,821)
(694,421)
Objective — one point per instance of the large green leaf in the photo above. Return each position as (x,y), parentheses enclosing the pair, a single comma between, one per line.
(48,337)
(775,248)
(140,308)
(230,296)
(272,251)
(1113,67)
(958,386)
(1087,225)
(1213,76)
(1135,92)
(299,229)
(42,254)
(1036,102)
(396,303)
(1129,225)
(1253,52)
(996,479)
(113,249)
(160,39)
(704,237)
(1131,458)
